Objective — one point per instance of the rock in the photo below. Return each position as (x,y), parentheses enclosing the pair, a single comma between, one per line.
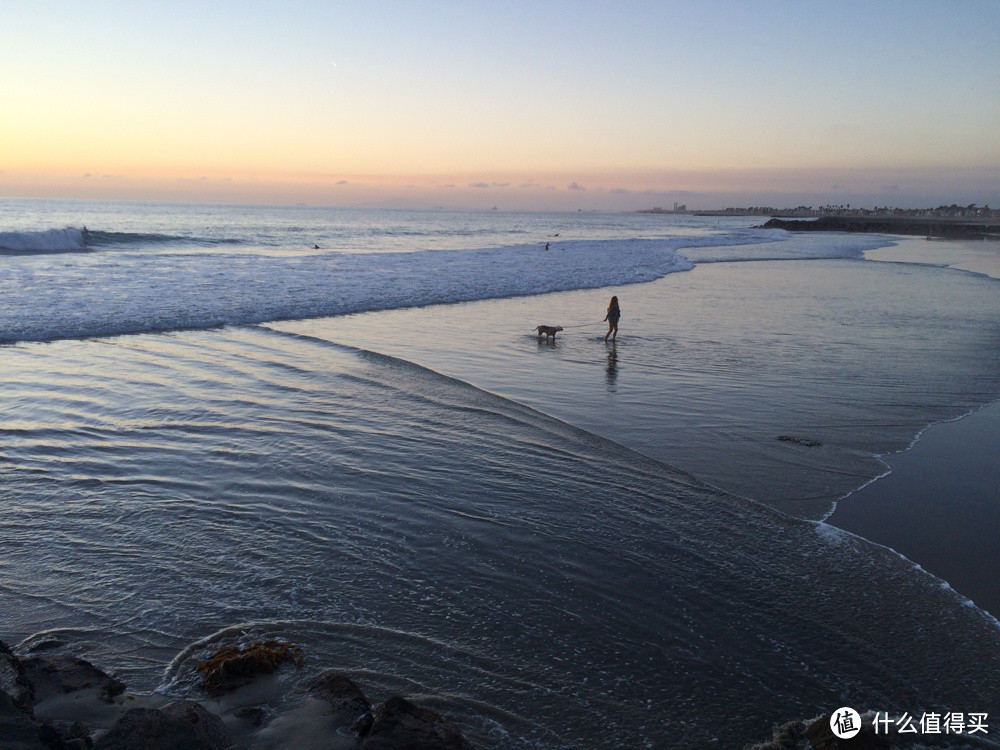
(401,725)
(13,680)
(75,736)
(821,737)
(799,441)
(232,667)
(252,715)
(65,736)
(57,674)
(348,704)
(17,730)
(785,737)
(180,726)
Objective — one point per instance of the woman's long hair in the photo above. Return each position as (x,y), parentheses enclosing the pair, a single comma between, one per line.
(614,302)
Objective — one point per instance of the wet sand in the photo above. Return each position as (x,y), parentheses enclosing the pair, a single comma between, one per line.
(975,256)
(940,505)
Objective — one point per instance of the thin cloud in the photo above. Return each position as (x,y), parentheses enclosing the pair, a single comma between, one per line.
(575,186)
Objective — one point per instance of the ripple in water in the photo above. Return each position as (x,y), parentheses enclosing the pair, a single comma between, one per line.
(535,582)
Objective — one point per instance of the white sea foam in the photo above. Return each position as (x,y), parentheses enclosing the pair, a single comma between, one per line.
(832,534)
(770,245)
(112,293)
(122,287)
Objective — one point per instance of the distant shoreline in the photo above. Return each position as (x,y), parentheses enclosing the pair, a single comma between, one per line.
(926,226)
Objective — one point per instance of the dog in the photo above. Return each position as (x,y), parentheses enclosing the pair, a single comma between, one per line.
(548,331)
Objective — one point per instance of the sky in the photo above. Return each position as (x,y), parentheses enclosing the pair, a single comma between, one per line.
(529,105)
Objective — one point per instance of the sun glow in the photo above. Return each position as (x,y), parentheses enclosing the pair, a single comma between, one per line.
(663,98)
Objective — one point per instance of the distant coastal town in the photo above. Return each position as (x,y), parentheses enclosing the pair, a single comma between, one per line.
(954,211)
(954,221)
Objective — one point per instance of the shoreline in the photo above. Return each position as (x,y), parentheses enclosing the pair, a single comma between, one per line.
(909,225)
(935,502)
(897,509)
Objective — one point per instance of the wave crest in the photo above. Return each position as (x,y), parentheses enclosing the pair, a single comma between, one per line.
(65,240)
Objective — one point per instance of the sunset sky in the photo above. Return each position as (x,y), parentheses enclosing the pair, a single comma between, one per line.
(542,104)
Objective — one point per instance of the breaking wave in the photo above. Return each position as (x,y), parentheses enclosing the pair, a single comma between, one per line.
(68,240)
(117,294)
(76,240)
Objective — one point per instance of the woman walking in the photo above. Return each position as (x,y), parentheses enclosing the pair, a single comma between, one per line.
(614,313)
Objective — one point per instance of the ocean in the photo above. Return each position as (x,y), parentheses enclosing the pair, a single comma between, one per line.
(338,427)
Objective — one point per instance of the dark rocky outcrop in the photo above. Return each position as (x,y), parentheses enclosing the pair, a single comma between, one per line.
(400,724)
(43,683)
(927,227)
(18,731)
(75,736)
(231,667)
(180,726)
(13,681)
(821,737)
(56,674)
(252,715)
(348,704)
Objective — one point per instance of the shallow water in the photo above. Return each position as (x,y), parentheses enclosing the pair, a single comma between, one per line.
(713,366)
(535,582)
(974,256)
